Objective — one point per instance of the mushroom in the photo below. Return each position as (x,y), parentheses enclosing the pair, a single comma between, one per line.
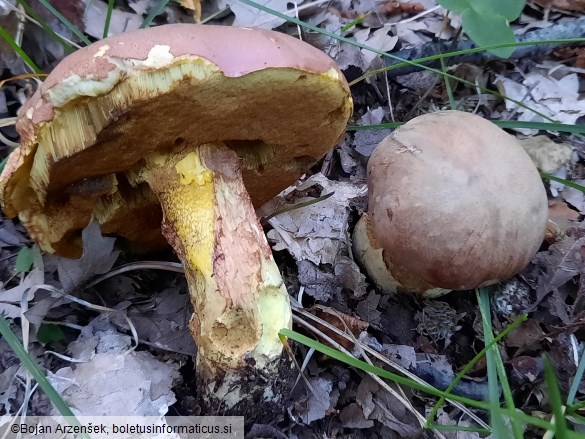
(454,204)
(193,125)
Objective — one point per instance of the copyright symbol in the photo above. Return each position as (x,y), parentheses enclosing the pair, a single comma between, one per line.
(15,428)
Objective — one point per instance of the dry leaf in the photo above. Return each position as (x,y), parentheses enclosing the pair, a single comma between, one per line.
(98,258)
(342,322)
(558,265)
(193,5)
(548,156)
(558,99)
(567,5)
(250,16)
(395,8)
(114,381)
(319,403)
(120,21)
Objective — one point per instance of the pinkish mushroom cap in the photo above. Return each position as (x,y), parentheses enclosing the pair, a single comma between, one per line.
(277,101)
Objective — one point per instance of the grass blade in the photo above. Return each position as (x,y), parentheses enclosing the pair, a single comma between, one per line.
(333,353)
(554,396)
(496,373)
(66,22)
(563,181)
(473,361)
(154,12)
(546,126)
(108,18)
(577,378)
(33,369)
(29,62)
(50,32)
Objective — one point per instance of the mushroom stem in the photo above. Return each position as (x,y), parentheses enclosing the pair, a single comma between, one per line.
(235,286)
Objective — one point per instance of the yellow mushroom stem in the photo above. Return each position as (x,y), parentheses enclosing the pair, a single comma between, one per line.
(235,286)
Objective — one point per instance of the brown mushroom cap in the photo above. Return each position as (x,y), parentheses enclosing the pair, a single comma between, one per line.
(454,202)
(278,102)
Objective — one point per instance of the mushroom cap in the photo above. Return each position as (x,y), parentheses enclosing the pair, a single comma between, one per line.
(280,103)
(454,202)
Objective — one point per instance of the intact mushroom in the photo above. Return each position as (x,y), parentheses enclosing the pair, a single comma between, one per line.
(454,204)
(193,125)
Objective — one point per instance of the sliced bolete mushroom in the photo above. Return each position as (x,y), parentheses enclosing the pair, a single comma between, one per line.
(454,204)
(199,123)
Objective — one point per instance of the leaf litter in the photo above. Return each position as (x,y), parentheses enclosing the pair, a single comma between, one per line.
(314,241)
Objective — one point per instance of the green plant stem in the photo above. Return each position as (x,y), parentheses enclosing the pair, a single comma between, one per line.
(108,18)
(553,126)
(456,53)
(469,365)
(580,369)
(496,371)
(333,353)
(154,12)
(37,374)
(29,62)
(554,397)
(50,32)
(565,182)
(66,22)
(389,55)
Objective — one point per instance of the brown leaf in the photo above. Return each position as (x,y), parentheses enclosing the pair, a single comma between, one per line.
(574,55)
(567,5)
(527,369)
(560,218)
(395,8)
(193,5)
(526,336)
(558,265)
(341,321)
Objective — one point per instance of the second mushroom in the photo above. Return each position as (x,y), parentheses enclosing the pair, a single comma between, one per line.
(455,203)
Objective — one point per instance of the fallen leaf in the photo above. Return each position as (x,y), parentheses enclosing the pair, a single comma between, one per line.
(343,322)
(397,7)
(403,355)
(558,99)
(98,257)
(526,369)
(193,5)
(10,298)
(10,235)
(319,403)
(95,15)
(250,16)
(381,40)
(525,337)
(316,235)
(365,395)
(7,387)
(367,140)
(567,5)
(548,156)
(163,321)
(352,416)
(142,7)
(558,265)
(561,214)
(575,197)
(367,309)
(113,381)
(444,418)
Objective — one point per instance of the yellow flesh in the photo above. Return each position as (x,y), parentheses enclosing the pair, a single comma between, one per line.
(237,292)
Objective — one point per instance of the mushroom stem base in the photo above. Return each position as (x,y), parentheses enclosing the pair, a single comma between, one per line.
(236,289)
